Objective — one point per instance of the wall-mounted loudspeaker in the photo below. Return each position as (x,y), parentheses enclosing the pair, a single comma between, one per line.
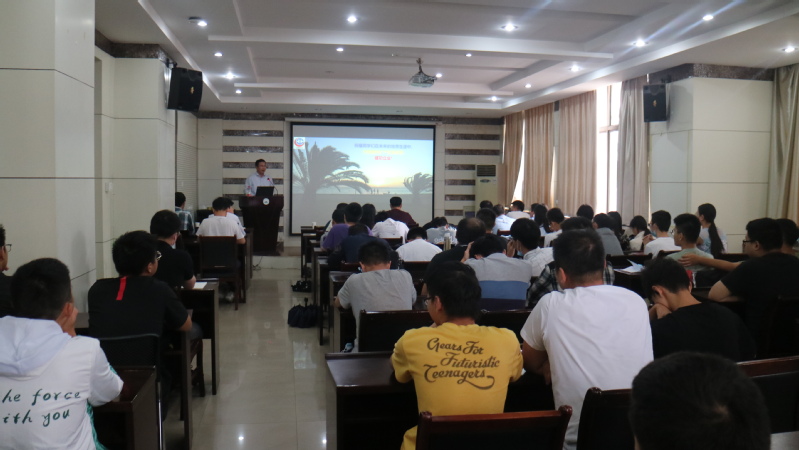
(185,89)
(655,103)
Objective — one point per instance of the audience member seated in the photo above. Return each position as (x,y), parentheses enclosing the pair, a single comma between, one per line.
(686,232)
(618,230)
(525,237)
(486,204)
(586,211)
(680,322)
(368,215)
(398,214)
(517,210)
(386,227)
(767,274)
(186,219)
(337,232)
(42,358)
(540,218)
(790,234)
(417,248)
(439,359)
(352,214)
(603,225)
(219,224)
(348,250)
(548,282)
(638,230)
(440,229)
(5,281)
(339,207)
(468,231)
(502,221)
(693,401)
(378,288)
(499,276)
(487,216)
(590,335)
(555,217)
(659,240)
(175,268)
(711,239)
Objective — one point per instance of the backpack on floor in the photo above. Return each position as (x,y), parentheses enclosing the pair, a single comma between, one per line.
(302,316)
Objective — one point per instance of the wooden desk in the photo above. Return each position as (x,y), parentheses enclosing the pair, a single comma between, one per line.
(204,304)
(368,408)
(131,421)
(785,441)
(320,287)
(631,281)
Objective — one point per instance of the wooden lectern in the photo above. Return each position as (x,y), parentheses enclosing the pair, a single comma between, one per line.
(264,219)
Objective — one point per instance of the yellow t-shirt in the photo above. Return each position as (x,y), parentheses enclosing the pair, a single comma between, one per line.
(457,369)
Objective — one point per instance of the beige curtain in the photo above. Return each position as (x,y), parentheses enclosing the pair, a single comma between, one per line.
(538,154)
(576,154)
(633,162)
(784,166)
(511,156)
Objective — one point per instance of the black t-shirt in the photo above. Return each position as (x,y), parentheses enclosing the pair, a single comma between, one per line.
(5,295)
(708,328)
(175,266)
(453,254)
(760,281)
(147,305)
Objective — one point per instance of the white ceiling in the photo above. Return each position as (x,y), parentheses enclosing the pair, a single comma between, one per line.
(283,52)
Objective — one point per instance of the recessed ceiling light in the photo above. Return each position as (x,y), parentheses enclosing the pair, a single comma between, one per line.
(230,76)
(789,49)
(468,55)
(707,17)
(238,91)
(639,43)
(352,19)
(198,21)
(340,49)
(439,75)
(509,27)
(218,54)
(493,98)
(574,68)
(528,86)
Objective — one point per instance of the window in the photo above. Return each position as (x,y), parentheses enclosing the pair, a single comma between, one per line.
(608,106)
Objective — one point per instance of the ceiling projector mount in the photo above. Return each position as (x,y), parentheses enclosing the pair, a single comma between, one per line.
(421,79)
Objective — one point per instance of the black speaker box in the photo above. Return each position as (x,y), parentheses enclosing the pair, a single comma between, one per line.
(655,103)
(185,89)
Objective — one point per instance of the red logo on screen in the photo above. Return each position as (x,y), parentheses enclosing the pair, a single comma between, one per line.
(299,142)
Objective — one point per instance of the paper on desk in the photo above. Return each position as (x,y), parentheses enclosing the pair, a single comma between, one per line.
(634,268)
(200,284)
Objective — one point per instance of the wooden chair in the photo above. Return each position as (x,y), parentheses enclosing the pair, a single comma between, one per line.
(622,261)
(219,259)
(603,421)
(778,380)
(394,242)
(779,329)
(507,431)
(501,304)
(349,267)
(380,330)
(512,320)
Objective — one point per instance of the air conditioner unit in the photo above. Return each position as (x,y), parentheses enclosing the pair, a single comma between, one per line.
(485,184)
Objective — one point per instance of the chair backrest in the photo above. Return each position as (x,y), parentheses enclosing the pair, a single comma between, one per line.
(501,304)
(622,261)
(779,329)
(517,430)
(665,253)
(778,380)
(603,421)
(218,254)
(415,268)
(380,330)
(503,232)
(393,242)
(349,267)
(513,320)
(132,350)
(733,257)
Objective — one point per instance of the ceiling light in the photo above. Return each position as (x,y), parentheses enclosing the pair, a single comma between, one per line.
(238,91)
(707,17)
(198,21)
(439,75)
(509,27)
(340,49)
(493,98)
(229,76)
(468,55)
(528,86)
(352,19)
(639,43)
(789,49)
(574,68)
(218,54)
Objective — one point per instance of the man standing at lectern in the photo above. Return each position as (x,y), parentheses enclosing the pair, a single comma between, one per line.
(257,179)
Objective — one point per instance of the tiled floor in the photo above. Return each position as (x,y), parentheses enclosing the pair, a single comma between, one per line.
(271,393)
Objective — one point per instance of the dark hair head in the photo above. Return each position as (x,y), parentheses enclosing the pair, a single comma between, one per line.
(603,220)
(499,209)
(132,252)
(486,204)
(221,203)
(488,245)
(617,225)
(469,229)
(395,202)
(666,273)
(586,211)
(417,232)
(338,216)
(639,223)
(259,161)
(353,212)
(697,401)
(456,285)
(688,225)
(368,216)
(180,199)
(341,206)
(2,235)
(487,216)
(765,231)
(580,254)
(164,223)
(357,229)
(790,233)
(518,204)
(381,216)
(662,219)
(555,215)
(40,289)
(527,232)
(707,211)
(374,252)
(576,223)
(540,212)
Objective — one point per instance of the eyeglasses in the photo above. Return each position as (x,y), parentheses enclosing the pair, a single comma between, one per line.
(157,255)
(744,242)
(8,248)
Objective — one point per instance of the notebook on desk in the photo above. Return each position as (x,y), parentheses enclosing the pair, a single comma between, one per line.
(265,191)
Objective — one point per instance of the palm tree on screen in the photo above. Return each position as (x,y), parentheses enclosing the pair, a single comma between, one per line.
(419,183)
(316,168)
